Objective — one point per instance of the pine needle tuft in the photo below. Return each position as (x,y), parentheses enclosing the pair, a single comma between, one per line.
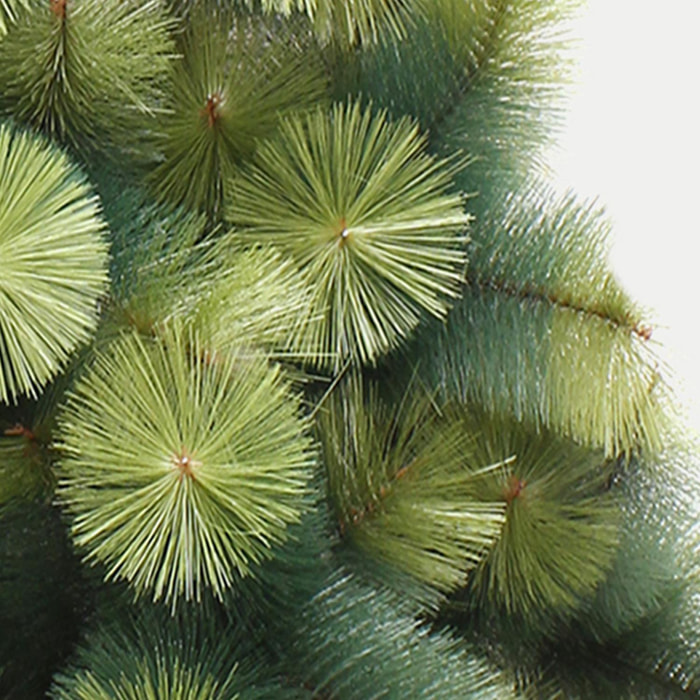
(229,89)
(87,71)
(367,216)
(561,525)
(405,485)
(181,467)
(53,260)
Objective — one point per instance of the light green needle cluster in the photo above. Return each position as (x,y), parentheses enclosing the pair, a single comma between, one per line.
(201,460)
(405,485)
(53,260)
(88,72)
(367,216)
(561,525)
(256,298)
(229,89)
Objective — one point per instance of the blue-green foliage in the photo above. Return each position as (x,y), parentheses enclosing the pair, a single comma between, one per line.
(543,330)
(361,642)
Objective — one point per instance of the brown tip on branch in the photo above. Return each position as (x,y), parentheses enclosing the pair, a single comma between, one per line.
(513,488)
(185,464)
(644,332)
(211,108)
(58,7)
(19,429)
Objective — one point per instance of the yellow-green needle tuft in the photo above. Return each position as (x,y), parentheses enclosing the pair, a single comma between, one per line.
(181,467)
(53,260)
(87,72)
(229,89)
(369,218)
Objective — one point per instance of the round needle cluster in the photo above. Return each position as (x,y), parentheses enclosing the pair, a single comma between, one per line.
(53,260)
(181,467)
(367,216)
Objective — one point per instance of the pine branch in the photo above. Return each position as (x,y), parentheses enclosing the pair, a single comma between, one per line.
(630,639)
(160,265)
(510,104)
(267,604)
(229,90)
(483,77)
(544,332)
(404,484)
(657,496)
(53,258)
(583,676)
(424,73)
(360,642)
(561,525)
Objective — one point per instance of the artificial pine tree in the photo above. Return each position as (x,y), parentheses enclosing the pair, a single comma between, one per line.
(310,385)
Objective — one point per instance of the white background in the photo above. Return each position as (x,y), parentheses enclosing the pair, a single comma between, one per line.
(632,139)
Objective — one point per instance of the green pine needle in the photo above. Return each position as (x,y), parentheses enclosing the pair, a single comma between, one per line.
(405,485)
(255,299)
(561,530)
(229,89)
(181,467)
(87,71)
(366,215)
(53,259)
(8,13)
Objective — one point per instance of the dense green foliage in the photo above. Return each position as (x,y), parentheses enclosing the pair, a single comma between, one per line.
(310,384)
